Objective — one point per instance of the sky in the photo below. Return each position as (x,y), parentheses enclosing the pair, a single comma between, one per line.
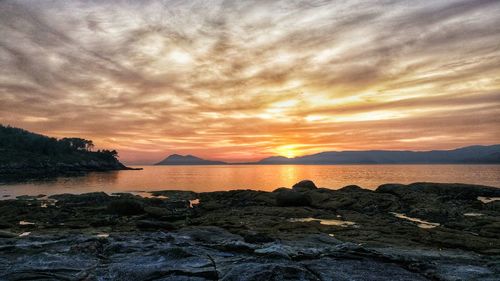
(242,80)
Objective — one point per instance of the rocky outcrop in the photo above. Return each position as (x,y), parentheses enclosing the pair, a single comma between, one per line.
(400,232)
(304,185)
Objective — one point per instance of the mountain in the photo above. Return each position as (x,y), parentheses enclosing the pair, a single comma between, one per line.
(26,153)
(466,155)
(176,159)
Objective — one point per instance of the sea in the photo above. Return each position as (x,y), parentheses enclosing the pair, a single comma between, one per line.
(256,177)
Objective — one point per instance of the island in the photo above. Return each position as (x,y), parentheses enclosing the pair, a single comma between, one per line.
(176,159)
(25,154)
(475,154)
(416,232)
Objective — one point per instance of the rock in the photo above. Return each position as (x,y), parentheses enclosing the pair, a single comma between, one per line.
(149,224)
(254,237)
(351,188)
(86,199)
(276,250)
(269,272)
(292,198)
(6,234)
(125,207)
(345,269)
(304,185)
(100,222)
(209,234)
(444,190)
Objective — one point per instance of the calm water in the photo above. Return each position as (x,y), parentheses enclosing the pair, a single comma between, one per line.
(212,178)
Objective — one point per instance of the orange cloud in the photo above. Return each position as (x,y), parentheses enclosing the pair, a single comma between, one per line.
(242,80)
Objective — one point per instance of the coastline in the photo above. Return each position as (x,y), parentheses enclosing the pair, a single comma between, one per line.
(421,231)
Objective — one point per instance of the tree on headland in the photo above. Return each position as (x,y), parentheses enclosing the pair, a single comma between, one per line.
(78,143)
(16,139)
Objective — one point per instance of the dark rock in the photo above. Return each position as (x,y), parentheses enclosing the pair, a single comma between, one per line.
(292,198)
(126,207)
(269,272)
(359,269)
(149,224)
(6,234)
(100,222)
(86,199)
(351,188)
(304,185)
(446,190)
(254,237)
(279,189)
(176,194)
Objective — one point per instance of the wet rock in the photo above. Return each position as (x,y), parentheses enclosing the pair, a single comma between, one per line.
(149,224)
(443,190)
(125,207)
(276,250)
(304,185)
(86,199)
(4,225)
(270,272)
(176,194)
(165,214)
(254,237)
(235,198)
(209,234)
(6,234)
(359,269)
(100,222)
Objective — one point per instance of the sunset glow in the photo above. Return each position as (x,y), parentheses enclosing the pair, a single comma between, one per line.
(243,80)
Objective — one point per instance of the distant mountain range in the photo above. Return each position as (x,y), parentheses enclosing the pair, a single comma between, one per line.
(467,155)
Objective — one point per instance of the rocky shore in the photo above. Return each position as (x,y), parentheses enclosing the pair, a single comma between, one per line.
(422,231)
(26,170)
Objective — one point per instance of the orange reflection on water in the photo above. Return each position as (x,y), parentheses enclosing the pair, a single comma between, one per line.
(259,177)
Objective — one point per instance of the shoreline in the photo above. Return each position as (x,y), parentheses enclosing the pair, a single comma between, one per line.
(421,231)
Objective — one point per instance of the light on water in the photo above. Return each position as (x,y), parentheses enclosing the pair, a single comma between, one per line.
(258,177)
(488,199)
(420,223)
(325,221)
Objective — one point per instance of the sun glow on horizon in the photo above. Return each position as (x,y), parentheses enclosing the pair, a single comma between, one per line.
(289,151)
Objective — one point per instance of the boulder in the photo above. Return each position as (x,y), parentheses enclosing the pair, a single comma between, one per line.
(125,207)
(304,185)
(292,198)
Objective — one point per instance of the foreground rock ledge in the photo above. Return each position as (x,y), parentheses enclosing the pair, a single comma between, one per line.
(346,234)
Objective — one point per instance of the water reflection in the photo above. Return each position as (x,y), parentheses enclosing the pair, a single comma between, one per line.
(213,178)
(420,223)
(325,221)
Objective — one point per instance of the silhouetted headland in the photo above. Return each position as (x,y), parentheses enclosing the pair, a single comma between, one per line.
(23,153)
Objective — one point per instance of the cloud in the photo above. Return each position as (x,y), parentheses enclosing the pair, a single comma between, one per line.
(237,80)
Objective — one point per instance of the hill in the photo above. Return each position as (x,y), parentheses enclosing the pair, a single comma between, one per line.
(466,155)
(176,159)
(26,153)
